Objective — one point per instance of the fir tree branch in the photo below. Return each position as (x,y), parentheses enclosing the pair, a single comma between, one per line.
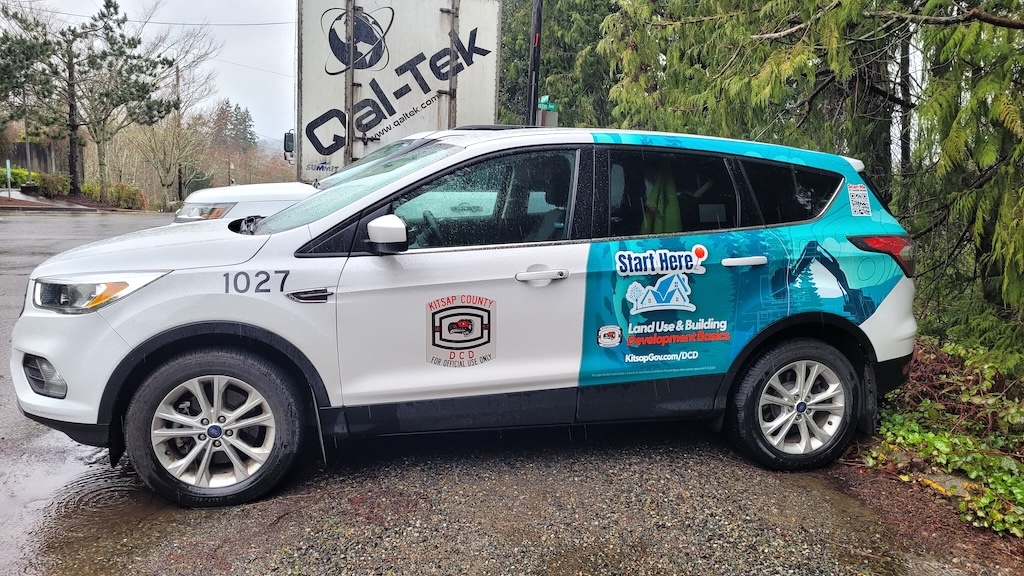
(938,221)
(701,19)
(798,27)
(810,98)
(970,15)
(876,89)
(960,244)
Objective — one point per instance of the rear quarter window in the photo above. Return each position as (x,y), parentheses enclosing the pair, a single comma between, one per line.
(790,193)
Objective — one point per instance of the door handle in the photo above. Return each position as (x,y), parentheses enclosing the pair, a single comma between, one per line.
(555,274)
(745,261)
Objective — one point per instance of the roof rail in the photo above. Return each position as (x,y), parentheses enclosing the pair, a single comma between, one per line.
(494,127)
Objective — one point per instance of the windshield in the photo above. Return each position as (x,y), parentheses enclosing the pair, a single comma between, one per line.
(358,179)
(360,165)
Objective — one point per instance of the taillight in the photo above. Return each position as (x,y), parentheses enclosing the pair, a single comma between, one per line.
(900,247)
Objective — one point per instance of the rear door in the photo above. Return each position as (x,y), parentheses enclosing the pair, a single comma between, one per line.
(477,324)
(679,285)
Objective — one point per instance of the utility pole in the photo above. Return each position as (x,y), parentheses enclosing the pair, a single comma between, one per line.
(351,13)
(534,74)
(177,95)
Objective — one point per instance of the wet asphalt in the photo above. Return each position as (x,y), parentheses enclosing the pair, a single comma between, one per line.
(44,475)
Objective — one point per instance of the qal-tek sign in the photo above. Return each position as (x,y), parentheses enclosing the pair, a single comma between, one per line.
(405,56)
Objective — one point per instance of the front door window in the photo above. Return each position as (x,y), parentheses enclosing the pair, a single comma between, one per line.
(512,199)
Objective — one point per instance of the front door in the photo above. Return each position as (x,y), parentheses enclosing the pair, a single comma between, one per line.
(478,323)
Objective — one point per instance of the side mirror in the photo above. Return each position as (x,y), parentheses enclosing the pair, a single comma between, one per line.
(289,142)
(388,235)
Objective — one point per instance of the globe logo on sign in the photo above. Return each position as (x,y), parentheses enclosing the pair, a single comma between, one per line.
(369,49)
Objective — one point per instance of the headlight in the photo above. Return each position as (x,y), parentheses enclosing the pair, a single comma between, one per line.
(194,212)
(84,293)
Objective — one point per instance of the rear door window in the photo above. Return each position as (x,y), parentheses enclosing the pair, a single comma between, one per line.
(654,192)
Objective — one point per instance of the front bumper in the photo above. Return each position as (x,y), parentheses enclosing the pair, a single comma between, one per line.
(83,348)
(91,434)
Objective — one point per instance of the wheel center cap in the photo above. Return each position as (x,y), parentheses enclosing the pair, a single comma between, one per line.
(214,431)
(800,407)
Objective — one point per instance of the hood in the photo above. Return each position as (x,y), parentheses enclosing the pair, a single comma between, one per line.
(197,245)
(252,192)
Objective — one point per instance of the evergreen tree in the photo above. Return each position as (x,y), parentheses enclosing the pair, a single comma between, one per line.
(573,73)
(24,50)
(231,128)
(838,76)
(242,129)
(219,125)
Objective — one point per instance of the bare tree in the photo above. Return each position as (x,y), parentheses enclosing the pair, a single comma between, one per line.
(174,145)
(191,48)
(174,148)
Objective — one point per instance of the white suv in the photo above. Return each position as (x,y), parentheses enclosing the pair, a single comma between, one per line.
(233,202)
(480,279)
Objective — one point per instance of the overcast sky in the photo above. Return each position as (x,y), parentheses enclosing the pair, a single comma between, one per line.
(256,65)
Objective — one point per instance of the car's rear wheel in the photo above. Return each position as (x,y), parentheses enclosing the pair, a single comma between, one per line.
(794,407)
(214,428)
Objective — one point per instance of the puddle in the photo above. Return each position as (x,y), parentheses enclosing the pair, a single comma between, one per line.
(866,543)
(67,509)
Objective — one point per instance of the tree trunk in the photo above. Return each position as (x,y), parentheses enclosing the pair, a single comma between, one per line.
(869,132)
(76,184)
(100,138)
(181,183)
(905,108)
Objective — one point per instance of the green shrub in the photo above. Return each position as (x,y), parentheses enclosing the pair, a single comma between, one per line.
(91,190)
(53,185)
(128,196)
(962,414)
(18,176)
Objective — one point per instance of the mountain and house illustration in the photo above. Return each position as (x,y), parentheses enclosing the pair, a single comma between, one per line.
(669,293)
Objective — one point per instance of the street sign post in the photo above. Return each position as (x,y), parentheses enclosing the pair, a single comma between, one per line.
(8,178)
(547,112)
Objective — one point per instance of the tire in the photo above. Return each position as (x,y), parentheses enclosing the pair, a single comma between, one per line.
(786,431)
(182,431)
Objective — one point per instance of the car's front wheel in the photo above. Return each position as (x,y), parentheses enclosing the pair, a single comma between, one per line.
(794,408)
(214,427)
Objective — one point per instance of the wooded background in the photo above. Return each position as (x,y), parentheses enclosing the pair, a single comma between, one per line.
(927,93)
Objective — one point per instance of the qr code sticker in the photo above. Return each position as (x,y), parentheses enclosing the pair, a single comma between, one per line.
(859,203)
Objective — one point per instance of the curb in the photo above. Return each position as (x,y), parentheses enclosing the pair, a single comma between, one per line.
(46,209)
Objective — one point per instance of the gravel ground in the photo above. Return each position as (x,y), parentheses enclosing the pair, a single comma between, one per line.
(638,499)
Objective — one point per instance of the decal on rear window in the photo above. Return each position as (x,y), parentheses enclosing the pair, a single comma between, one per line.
(860,205)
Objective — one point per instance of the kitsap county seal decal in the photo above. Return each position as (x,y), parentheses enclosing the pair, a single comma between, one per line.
(460,331)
